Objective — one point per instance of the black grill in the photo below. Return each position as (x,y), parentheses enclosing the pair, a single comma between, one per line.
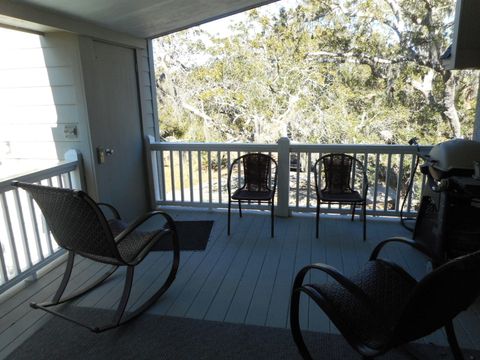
(448,221)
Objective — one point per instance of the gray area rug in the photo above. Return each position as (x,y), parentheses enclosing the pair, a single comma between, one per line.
(163,337)
(192,235)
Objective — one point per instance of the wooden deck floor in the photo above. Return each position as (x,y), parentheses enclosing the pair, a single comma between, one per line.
(244,278)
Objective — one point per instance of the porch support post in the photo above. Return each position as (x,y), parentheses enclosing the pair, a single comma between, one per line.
(283,177)
(152,172)
(476,124)
(78,178)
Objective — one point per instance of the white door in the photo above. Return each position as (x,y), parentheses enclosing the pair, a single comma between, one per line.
(115,126)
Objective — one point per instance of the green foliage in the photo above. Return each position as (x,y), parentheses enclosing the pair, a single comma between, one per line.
(326,71)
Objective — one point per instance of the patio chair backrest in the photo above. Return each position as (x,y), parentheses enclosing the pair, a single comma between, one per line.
(76,222)
(440,296)
(257,171)
(337,171)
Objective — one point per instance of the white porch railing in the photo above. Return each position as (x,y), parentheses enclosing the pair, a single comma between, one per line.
(26,244)
(195,174)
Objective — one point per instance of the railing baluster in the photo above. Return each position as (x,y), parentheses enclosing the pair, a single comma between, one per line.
(69,178)
(365,168)
(297,190)
(3,267)
(172,175)
(219,168)
(238,170)
(48,237)
(10,236)
(23,231)
(413,179)
(36,233)
(190,174)
(182,184)
(375,192)
(309,166)
(210,190)
(387,178)
(161,175)
(399,185)
(200,184)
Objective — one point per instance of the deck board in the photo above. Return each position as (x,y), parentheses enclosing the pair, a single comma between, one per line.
(242,278)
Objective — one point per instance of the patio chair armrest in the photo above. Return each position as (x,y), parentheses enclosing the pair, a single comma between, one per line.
(337,276)
(140,220)
(417,246)
(114,211)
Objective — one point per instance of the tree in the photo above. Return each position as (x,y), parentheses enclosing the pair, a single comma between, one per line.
(331,71)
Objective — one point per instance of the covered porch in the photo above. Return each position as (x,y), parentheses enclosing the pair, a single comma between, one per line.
(245,278)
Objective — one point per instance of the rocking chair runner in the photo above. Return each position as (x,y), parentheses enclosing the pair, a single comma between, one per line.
(80,227)
(257,182)
(339,174)
(383,307)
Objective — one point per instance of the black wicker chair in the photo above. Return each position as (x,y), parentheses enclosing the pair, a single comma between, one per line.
(340,174)
(256,180)
(383,307)
(79,226)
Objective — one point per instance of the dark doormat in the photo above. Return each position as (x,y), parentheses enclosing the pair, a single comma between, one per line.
(192,235)
(164,337)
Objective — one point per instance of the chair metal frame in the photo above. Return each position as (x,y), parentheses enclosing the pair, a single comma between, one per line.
(119,318)
(410,325)
(356,165)
(269,192)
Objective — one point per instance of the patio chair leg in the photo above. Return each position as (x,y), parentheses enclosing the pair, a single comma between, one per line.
(57,299)
(272,218)
(228,221)
(317,219)
(240,207)
(452,341)
(353,210)
(364,215)
(66,277)
(125,295)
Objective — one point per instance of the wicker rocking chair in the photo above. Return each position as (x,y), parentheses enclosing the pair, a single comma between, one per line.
(80,227)
(383,307)
(256,180)
(340,175)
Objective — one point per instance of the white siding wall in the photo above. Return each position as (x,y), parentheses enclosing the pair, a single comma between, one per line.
(147,92)
(41,96)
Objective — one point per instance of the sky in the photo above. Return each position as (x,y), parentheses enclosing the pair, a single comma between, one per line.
(220,26)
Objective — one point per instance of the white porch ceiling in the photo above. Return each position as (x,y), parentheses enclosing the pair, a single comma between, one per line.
(144,18)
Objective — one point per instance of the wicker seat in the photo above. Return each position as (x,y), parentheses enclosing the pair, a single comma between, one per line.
(336,178)
(80,227)
(383,307)
(256,180)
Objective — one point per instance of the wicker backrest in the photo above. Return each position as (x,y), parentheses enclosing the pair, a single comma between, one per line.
(440,296)
(75,221)
(336,173)
(258,173)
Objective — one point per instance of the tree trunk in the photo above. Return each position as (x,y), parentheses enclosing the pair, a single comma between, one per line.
(450,111)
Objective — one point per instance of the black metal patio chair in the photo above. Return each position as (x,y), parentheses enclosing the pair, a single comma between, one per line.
(383,307)
(342,179)
(256,181)
(79,226)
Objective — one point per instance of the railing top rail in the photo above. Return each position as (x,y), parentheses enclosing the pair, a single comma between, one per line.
(37,175)
(358,148)
(213,146)
(322,148)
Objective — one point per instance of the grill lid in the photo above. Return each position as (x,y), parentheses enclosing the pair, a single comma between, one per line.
(453,155)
